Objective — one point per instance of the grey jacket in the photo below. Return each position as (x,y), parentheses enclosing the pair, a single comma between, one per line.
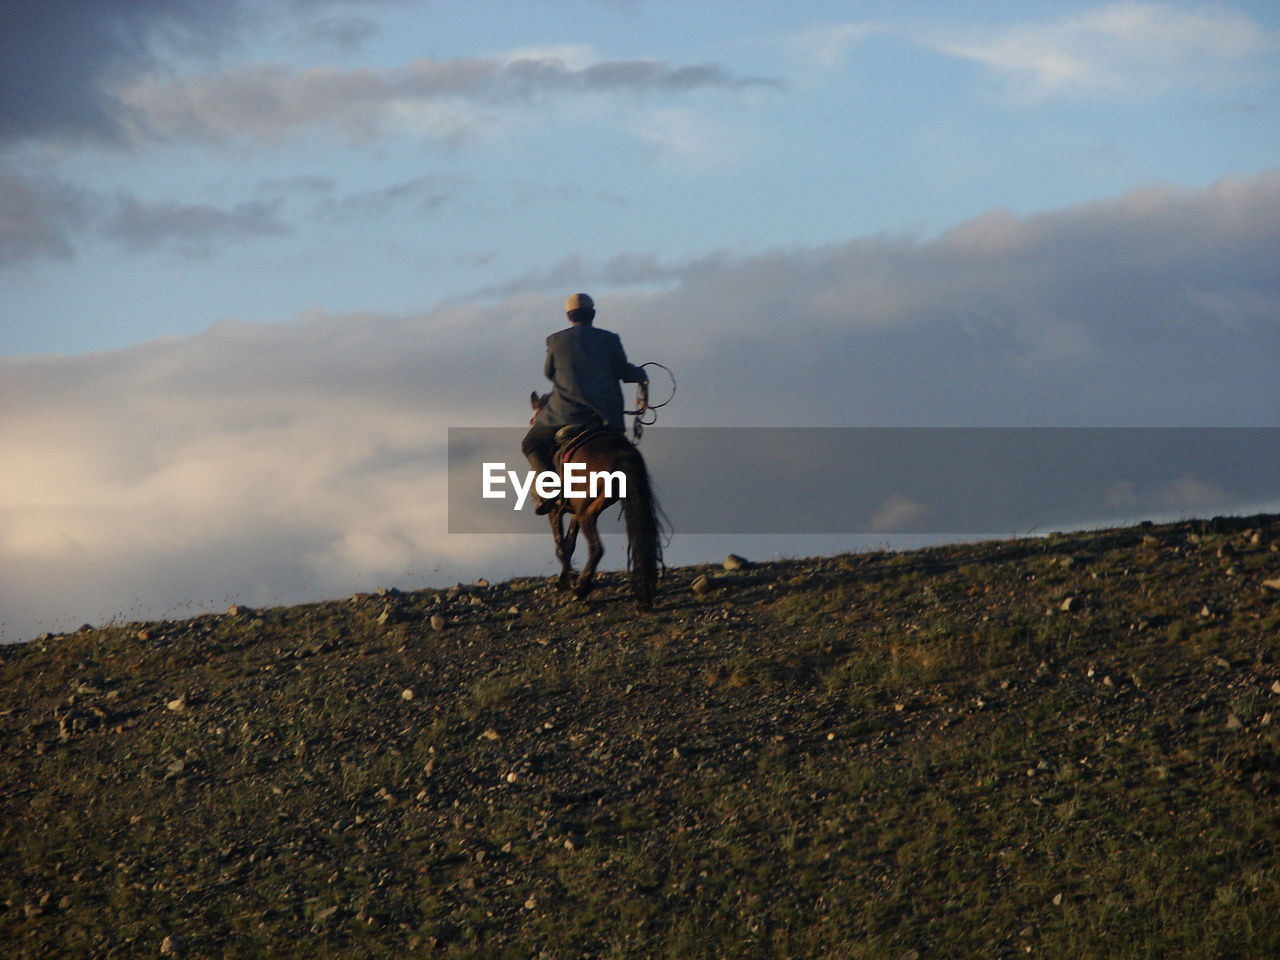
(584,365)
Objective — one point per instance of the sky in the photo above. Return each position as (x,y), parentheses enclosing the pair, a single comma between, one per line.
(256,258)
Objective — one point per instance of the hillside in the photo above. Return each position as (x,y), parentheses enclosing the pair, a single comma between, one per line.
(1062,746)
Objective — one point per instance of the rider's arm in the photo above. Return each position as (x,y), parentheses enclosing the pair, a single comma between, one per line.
(628,372)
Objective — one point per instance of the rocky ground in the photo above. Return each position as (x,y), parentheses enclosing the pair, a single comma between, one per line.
(1060,746)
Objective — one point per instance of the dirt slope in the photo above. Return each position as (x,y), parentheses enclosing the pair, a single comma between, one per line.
(1061,746)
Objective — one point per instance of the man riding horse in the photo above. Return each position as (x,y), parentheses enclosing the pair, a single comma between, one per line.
(584,365)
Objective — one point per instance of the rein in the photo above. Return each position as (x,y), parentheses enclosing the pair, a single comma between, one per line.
(644,407)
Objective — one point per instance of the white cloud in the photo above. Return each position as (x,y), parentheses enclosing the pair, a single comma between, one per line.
(897,513)
(687,139)
(273,463)
(1127,47)
(827,45)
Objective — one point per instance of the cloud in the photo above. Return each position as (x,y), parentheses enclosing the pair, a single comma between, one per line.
(897,513)
(1126,48)
(54,58)
(39,216)
(43,217)
(188,229)
(687,139)
(61,64)
(345,33)
(418,195)
(829,44)
(270,463)
(432,98)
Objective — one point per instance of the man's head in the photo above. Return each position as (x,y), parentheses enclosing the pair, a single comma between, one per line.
(580,308)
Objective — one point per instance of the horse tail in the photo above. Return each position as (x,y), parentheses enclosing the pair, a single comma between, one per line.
(644,532)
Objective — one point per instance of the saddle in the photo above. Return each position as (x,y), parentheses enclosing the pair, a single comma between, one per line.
(572,436)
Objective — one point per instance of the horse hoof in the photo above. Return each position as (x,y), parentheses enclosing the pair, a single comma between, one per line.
(581,590)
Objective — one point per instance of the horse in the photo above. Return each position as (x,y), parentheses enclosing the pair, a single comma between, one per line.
(607,451)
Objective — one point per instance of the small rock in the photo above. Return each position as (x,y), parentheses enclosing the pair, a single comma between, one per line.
(236,610)
(178,705)
(491,734)
(1068,604)
(406,693)
(512,777)
(701,585)
(437,622)
(389,615)
(1273,583)
(171,946)
(1275,687)
(513,610)
(735,562)
(531,903)
(1234,722)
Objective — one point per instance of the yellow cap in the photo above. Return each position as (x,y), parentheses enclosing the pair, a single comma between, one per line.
(578,301)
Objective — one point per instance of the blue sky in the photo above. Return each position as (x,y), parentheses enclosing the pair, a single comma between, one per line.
(392,156)
(255,258)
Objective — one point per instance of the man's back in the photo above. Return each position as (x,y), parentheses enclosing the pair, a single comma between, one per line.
(584,364)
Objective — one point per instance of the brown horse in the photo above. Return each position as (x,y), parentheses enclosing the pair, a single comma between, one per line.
(607,451)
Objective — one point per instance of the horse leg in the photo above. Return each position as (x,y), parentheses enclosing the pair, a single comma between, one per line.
(595,550)
(564,548)
(566,541)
